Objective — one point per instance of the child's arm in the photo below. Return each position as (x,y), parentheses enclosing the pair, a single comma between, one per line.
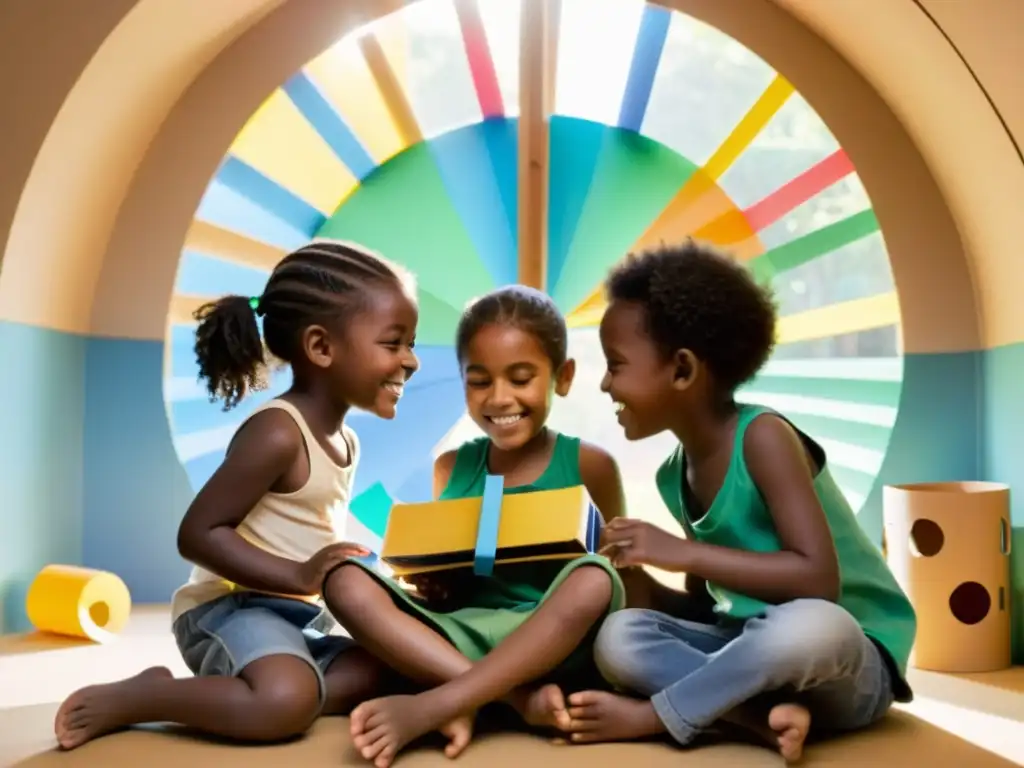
(443,466)
(601,476)
(806,566)
(262,452)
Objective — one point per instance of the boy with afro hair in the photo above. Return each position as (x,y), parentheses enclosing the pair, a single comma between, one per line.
(811,626)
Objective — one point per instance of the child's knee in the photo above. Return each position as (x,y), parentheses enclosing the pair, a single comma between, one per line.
(809,639)
(286,697)
(591,588)
(618,650)
(350,591)
(815,624)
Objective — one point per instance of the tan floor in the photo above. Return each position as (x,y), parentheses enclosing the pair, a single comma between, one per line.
(969,720)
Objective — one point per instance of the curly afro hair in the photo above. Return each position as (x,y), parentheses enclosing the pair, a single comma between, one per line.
(700,299)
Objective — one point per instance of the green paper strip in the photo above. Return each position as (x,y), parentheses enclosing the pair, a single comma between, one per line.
(809,247)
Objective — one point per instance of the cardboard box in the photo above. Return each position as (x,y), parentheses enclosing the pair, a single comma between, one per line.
(441,535)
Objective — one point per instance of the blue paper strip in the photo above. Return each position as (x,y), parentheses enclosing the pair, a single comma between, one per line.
(478,167)
(487,533)
(326,121)
(270,196)
(650,41)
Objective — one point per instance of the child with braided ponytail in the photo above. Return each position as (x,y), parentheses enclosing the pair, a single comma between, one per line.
(269,524)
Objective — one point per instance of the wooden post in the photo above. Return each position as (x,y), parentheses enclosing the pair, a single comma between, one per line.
(538,56)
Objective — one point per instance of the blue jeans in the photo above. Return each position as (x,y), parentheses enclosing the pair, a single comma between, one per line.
(811,651)
(224,636)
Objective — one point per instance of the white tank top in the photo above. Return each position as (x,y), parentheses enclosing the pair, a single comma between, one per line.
(292,525)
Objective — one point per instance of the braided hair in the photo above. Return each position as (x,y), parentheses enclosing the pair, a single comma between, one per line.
(324,281)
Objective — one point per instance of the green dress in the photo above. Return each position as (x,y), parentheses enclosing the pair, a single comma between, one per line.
(495,606)
(739,519)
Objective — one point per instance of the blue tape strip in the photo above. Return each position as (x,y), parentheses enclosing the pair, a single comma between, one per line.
(487,533)
(594,526)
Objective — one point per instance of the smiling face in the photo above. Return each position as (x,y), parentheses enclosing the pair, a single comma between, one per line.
(370,353)
(509,384)
(641,380)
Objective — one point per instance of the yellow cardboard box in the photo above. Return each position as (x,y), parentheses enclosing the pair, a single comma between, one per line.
(441,535)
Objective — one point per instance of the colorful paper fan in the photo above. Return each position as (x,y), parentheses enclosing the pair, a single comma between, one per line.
(403,136)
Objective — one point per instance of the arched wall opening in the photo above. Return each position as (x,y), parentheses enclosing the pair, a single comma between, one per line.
(133,489)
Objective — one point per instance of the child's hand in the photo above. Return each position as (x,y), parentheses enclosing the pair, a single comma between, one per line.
(311,574)
(629,542)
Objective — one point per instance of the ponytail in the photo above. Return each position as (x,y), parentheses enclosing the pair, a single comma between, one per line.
(229,350)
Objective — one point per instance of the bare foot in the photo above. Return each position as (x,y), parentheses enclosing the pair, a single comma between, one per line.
(600,716)
(791,722)
(382,727)
(459,732)
(95,711)
(542,707)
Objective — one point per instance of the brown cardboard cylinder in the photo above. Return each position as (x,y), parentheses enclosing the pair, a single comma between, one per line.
(948,545)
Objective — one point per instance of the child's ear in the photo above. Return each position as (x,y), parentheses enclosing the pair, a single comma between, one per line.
(684,369)
(564,377)
(316,343)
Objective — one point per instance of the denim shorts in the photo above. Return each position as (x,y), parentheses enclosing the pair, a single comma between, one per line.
(224,636)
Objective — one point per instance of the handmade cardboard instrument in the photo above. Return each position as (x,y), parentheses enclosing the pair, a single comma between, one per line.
(491,529)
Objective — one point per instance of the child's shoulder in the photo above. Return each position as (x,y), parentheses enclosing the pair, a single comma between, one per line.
(768,434)
(775,452)
(444,464)
(272,432)
(474,446)
(595,460)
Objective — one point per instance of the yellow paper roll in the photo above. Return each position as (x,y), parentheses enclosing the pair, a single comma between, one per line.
(78,602)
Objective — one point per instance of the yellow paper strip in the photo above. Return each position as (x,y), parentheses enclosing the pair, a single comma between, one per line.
(838,319)
(279,143)
(345,79)
(746,130)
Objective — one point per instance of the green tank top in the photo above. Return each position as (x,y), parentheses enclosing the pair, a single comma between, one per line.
(516,586)
(738,518)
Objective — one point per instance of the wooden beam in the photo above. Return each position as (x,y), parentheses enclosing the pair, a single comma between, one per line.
(538,56)
(552,22)
(230,246)
(391,91)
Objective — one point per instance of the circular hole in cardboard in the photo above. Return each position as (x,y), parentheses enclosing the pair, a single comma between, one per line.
(970,602)
(926,538)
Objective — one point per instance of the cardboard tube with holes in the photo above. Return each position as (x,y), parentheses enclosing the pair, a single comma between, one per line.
(948,544)
(78,602)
